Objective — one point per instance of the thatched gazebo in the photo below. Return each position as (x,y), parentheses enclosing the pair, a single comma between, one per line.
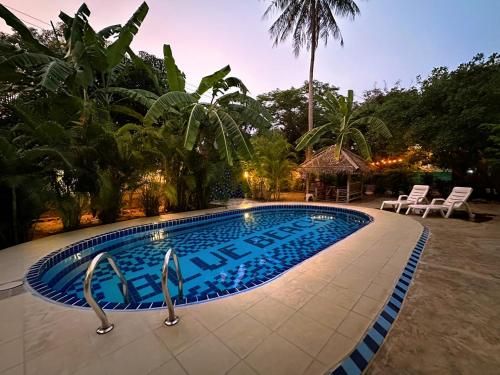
(325,163)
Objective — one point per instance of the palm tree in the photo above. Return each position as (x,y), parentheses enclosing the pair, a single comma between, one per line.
(343,123)
(273,160)
(308,21)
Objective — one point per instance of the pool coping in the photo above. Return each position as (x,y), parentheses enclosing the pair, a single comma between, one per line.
(361,356)
(44,291)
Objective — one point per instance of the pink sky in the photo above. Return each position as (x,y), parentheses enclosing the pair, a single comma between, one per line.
(391,40)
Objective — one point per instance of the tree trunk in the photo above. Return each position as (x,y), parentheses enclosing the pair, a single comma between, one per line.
(310,99)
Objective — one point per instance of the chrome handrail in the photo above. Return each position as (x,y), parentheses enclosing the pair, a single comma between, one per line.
(106,326)
(172,319)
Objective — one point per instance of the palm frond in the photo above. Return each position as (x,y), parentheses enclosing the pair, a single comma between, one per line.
(311,137)
(175,78)
(375,124)
(361,143)
(196,117)
(116,51)
(54,74)
(209,81)
(166,103)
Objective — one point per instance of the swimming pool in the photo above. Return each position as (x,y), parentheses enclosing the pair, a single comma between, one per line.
(219,254)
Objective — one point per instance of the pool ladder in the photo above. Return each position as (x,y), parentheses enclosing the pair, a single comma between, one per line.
(106,326)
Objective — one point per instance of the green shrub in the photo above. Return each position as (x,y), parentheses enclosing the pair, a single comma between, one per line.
(151,198)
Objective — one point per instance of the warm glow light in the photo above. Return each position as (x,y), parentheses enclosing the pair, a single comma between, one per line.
(245,174)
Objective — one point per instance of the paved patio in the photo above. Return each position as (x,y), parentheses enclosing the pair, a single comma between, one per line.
(305,321)
(450,323)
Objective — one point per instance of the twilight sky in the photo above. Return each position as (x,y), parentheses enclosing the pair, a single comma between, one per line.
(391,40)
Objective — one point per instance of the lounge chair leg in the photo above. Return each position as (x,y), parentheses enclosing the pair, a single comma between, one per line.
(427,210)
(408,210)
(382,206)
(448,213)
(399,208)
(469,211)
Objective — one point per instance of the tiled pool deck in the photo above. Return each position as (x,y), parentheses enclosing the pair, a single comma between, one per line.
(304,322)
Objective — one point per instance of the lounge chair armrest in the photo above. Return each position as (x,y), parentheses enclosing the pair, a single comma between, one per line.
(400,198)
(438,200)
(422,200)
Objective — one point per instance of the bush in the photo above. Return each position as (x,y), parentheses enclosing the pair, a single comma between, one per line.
(107,203)
(151,198)
(70,209)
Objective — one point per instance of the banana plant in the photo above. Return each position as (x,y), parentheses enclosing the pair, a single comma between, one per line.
(344,125)
(89,57)
(217,119)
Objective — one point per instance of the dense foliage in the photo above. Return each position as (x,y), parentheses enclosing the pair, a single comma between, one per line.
(84,119)
(343,126)
(452,115)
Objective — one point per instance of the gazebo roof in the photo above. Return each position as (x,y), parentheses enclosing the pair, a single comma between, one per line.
(324,162)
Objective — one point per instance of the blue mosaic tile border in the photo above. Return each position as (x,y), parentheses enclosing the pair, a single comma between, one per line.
(361,356)
(131,234)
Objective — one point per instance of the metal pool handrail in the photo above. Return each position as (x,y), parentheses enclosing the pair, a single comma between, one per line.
(106,326)
(172,319)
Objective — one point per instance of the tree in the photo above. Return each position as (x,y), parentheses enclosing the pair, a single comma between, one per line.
(345,125)
(288,108)
(272,163)
(308,21)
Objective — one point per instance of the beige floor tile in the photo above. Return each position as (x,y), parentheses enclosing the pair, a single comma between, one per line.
(292,296)
(339,296)
(11,318)
(11,354)
(377,292)
(138,357)
(181,336)
(316,368)
(172,367)
(324,311)
(242,369)
(215,313)
(309,282)
(352,281)
(368,307)
(306,333)
(242,334)
(244,301)
(354,325)
(208,356)
(128,328)
(385,280)
(270,312)
(65,359)
(95,368)
(277,356)
(336,349)
(17,370)
(54,334)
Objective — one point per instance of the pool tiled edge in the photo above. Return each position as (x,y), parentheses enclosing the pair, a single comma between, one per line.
(356,362)
(35,284)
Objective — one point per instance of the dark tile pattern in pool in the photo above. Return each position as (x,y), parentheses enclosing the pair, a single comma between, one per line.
(358,360)
(287,257)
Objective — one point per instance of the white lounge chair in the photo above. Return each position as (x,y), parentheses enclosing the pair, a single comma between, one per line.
(457,199)
(417,195)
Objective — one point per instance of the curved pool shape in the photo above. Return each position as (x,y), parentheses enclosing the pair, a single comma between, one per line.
(219,254)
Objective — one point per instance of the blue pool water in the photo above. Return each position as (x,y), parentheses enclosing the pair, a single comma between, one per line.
(218,255)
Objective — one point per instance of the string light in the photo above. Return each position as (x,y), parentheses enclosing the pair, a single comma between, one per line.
(384,162)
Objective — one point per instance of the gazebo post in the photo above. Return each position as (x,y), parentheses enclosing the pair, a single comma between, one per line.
(307,184)
(348,187)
